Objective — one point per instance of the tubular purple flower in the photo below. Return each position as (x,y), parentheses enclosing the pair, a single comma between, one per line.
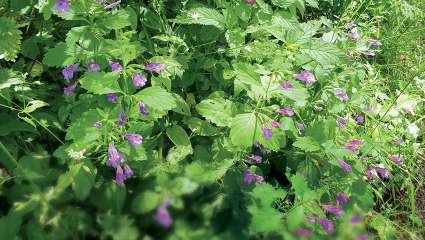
(355,142)
(335,209)
(62,6)
(112,97)
(326,224)
(286,111)
(267,133)
(305,76)
(352,148)
(93,67)
(341,198)
(355,219)
(139,80)
(340,121)
(276,124)
(310,219)
(300,126)
(287,85)
(114,157)
(115,67)
(383,172)
(119,175)
(155,67)
(142,108)
(345,166)
(127,171)
(302,232)
(396,159)
(262,149)
(98,124)
(353,35)
(362,237)
(254,158)
(350,25)
(375,42)
(341,94)
(112,5)
(70,89)
(371,173)
(249,177)
(133,138)
(371,53)
(68,72)
(359,119)
(121,119)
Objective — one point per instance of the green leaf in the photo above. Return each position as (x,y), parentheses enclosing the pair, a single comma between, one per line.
(202,128)
(182,107)
(66,179)
(83,182)
(10,39)
(307,144)
(82,130)
(246,74)
(245,128)
(179,153)
(61,55)
(34,105)
(218,110)
(157,99)
(203,16)
(145,202)
(101,82)
(118,227)
(178,136)
(299,184)
(298,94)
(9,78)
(116,20)
(324,53)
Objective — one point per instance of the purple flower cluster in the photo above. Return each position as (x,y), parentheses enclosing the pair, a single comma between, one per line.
(62,6)
(305,76)
(112,97)
(267,133)
(377,172)
(340,121)
(353,145)
(249,177)
(70,89)
(93,67)
(155,67)
(254,158)
(139,80)
(115,159)
(142,108)
(68,72)
(286,111)
(341,198)
(162,216)
(115,67)
(133,138)
(345,166)
(396,159)
(341,94)
(287,85)
(121,119)
(334,209)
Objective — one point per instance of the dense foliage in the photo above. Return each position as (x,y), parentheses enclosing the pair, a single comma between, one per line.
(255,119)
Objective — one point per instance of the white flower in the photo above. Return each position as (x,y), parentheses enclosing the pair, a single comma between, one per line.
(77,155)
(413,130)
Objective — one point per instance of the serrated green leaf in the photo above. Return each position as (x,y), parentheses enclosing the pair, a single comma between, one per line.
(116,20)
(157,98)
(83,130)
(202,128)
(61,55)
(246,74)
(203,16)
(306,144)
(101,82)
(324,53)
(219,111)
(245,128)
(10,39)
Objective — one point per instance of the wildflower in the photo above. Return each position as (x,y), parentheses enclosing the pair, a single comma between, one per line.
(286,111)
(326,224)
(341,198)
(127,171)
(305,76)
(345,166)
(352,148)
(355,142)
(300,126)
(115,67)
(398,140)
(362,237)
(143,109)
(267,133)
(375,42)
(155,67)
(355,219)
(139,80)
(112,5)
(359,119)
(112,97)
(396,159)
(353,35)
(371,53)
(302,232)
(287,85)
(133,138)
(163,217)
(93,67)
(98,124)
(68,72)
(340,121)
(262,149)
(383,172)
(350,25)
(62,6)
(114,157)
(119,175)
(249,177)
(249,1)
(276,124)
(70,89)
(371,173)
(121,119)
(310,219)
(255,158)
(335,209)
(341,94)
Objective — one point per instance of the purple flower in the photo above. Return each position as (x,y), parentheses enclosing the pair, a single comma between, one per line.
(93,67)
(114,157)
(262,149)
(326,224)
(121,119)
(267,133)
(133,138)
(287,85)
(353,35)
(119,175)
(302,232)
(142,108)
(371,53)
(383,172)
(155,67)
(98,124)
(375,42)
(276,124)
(62,6)
(398,140)
(340,121)
(115,67)
(335,209)
(352,148)
(286,111)
(139,80)
(127,171)
(163,217)
(359,119)
(341,94)
(68,72)
(112,5)
(254,158)
(300,126)
(341,198)
(396,159)
(371,173)
(355,142)
(305,76)
(345,166)
(362,237)
(310,219)
(350,25)
(112,97)
(70,89)
(355,219)
(249,177)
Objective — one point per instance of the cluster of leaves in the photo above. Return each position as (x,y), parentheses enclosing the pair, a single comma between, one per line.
(241,80)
